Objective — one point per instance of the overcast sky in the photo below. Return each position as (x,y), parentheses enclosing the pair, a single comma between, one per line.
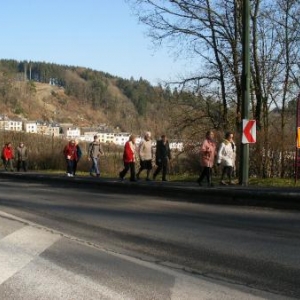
(98,34)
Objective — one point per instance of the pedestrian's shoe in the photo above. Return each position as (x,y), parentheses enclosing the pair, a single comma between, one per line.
(133,180)
(98,175)
(148,179)
(223,182)
(137,176)
(91,174)
(120,177)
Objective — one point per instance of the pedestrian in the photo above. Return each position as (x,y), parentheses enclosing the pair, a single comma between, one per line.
(207,158)
(94,153)
(162,157)
(145,155)
(8,156)
(70,153)
(129,158)
(226,158)
(22,157)
(79,154)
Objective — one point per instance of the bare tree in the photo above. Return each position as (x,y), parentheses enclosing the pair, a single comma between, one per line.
(210,32)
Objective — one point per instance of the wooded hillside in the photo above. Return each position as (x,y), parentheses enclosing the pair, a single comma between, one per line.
(85,97)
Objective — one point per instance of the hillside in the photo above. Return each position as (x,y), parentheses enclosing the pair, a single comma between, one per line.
(81,96)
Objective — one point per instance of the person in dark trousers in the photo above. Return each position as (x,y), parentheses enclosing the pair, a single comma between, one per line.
(226,158)
(22,157)
(145,154)
(8,157)
(70,153)
(162,157)
(129,159)
(207,158)
(94,153)
(79,154)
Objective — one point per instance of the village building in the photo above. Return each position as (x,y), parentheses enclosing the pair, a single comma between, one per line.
(30,127)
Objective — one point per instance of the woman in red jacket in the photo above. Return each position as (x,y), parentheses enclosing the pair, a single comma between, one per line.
(8,156)
(70,153)
(129,159)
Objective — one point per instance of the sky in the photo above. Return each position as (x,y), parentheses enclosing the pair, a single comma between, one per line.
(102,35)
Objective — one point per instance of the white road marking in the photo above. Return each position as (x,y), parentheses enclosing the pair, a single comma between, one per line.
(49,281)
(21,247)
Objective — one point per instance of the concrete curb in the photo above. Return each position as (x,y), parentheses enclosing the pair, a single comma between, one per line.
(280,198)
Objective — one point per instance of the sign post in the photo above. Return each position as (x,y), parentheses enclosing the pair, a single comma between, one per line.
(244,157)
(297,156)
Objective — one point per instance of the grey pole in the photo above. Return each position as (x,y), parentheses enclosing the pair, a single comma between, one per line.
(244,155)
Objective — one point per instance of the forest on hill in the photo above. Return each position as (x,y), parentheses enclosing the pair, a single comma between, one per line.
(85,97)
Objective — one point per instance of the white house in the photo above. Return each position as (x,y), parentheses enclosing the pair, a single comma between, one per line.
(72,133)
(14,125)
(30,127)
(88,136)
(121,138)
(106,137)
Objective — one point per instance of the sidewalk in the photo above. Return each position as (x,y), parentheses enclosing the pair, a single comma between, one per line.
(282,198)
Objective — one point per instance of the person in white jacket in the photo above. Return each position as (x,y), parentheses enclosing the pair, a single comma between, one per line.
(226,157)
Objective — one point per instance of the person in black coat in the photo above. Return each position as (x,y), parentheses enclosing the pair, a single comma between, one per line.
(162,157)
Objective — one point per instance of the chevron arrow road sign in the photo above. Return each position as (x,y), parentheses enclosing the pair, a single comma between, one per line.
(249,131)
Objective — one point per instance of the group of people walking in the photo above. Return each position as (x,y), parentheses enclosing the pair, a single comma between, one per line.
(9,154)
(225,155)
(145,154)
(73,153)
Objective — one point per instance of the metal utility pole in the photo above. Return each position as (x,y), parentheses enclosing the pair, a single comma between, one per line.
(244,157)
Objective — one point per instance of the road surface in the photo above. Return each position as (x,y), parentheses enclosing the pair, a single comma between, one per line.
(67,243)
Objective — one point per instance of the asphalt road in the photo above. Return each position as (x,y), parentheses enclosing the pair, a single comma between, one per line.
(77,243)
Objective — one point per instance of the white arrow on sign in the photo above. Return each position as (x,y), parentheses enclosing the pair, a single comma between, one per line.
(249,131)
